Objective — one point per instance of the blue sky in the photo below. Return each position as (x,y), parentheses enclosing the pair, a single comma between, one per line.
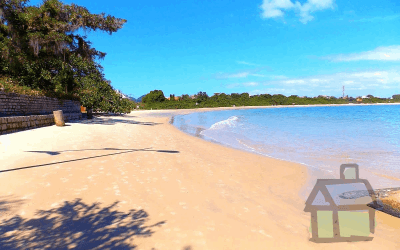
(289,47)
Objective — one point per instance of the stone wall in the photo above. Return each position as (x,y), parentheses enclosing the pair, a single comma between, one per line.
(21,112)
(12,104)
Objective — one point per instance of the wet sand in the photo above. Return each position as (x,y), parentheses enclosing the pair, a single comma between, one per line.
(119,182)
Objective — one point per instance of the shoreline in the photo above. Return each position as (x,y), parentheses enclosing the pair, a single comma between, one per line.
(232,199)
(261,107)
(370,174)
(385,215)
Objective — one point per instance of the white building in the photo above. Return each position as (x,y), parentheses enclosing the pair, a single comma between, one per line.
(121,94)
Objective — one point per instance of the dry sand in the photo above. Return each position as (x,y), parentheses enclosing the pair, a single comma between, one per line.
(59,187)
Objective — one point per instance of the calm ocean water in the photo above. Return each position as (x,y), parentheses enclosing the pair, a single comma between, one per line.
(322,138)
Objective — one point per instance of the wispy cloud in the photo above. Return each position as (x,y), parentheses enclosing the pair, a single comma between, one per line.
(277,8)
(282,91)
(232,85)
(248,63)
(252,84)
(242,74)
(356,83)
(259,75)
(389,53)
(278,77)
(377,19)
(245,84)
(236,75)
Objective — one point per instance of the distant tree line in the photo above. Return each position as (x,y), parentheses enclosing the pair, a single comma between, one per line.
(42,50)
(156,100)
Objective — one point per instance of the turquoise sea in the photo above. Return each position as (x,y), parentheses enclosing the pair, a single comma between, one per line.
(321,138)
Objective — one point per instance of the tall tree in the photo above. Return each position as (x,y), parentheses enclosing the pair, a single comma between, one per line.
(43,47)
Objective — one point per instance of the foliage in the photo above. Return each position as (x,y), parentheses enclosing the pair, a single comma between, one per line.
(9,85)
(244,99)
(154,96)
(201,97)
(42,48)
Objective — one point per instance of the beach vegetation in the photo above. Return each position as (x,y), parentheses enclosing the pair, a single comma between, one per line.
(244,99)
(155,96)
(43,51)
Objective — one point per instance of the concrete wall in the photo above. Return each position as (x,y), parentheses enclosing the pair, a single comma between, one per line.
(21,112)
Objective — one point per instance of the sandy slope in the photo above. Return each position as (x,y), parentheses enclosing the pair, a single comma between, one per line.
(174,191)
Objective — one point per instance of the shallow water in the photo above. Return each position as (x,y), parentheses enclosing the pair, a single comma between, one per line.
(322,138)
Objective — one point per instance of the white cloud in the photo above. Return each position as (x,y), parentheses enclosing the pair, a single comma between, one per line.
(248,84)
(294,81)
(277,8)
(259,75)
(247,63)
(270,91)
(232,85)
(272,8)
(237,75)
(389,53)
(357,83)
(278,77)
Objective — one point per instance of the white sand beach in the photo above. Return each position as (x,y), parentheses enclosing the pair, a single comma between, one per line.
(170,191)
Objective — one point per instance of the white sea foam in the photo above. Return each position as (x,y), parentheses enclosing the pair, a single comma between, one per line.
(319,138)
(230,122)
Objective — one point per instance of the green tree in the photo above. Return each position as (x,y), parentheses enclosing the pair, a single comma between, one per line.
(41,48)
(201,97)
(154,96)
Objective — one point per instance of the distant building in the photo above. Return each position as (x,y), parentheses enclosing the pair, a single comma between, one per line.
(359,99)
(121,94)
(176,98)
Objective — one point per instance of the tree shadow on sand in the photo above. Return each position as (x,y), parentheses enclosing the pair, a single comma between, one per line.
(76,225)
(112,121)
(7,205)
(102,149)
(84,158)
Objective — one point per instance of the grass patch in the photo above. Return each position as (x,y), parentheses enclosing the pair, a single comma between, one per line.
(9,85)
